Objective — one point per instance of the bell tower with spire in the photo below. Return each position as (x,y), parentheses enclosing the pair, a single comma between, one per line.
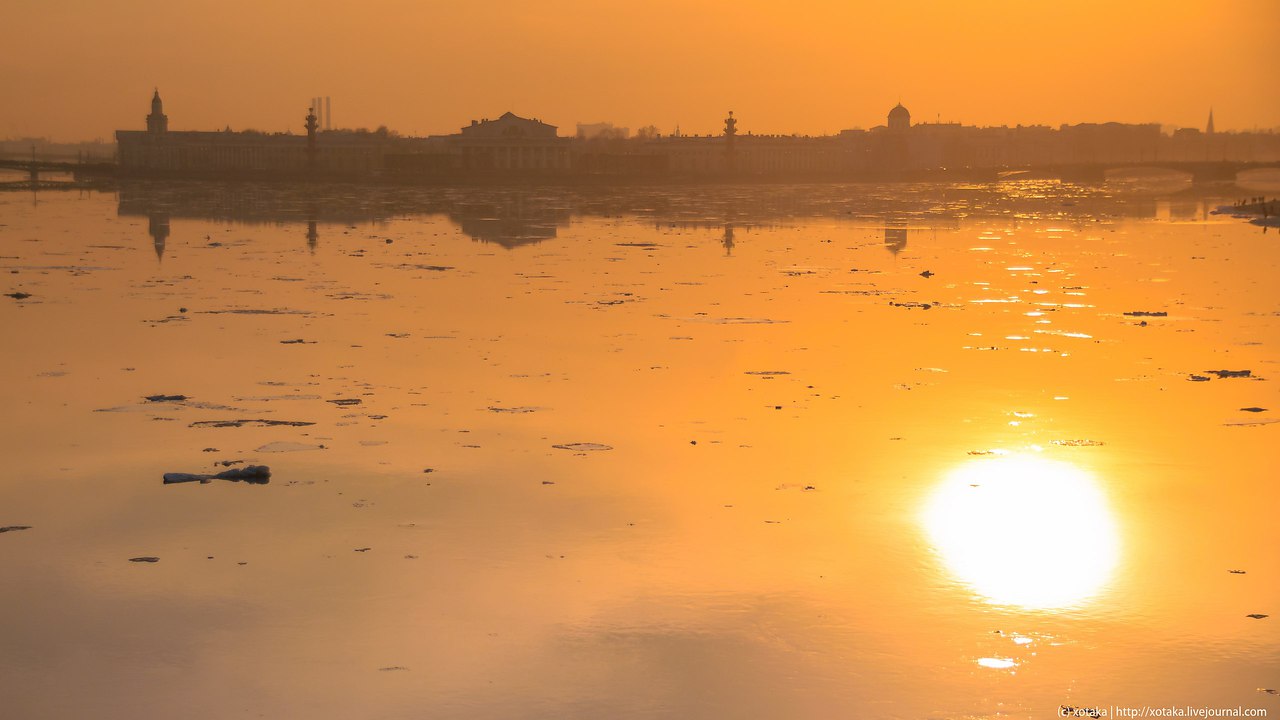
(1208,129)
(157,121)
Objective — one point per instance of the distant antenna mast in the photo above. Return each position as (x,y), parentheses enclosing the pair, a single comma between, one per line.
(328,113)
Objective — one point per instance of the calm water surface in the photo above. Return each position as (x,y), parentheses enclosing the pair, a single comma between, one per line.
(801,452)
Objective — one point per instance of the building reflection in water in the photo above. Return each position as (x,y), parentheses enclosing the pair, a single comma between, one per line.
(1024,531)
(510,219)
(728,230)
(895,239)
(510,222)
(246,204)
(158,228)
(517,217)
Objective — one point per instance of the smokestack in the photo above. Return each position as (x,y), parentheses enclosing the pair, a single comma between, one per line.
(328,117)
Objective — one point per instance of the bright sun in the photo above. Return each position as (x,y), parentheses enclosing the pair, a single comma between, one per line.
(1024,531)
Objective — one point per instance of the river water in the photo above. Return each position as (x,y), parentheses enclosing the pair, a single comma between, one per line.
(914,451)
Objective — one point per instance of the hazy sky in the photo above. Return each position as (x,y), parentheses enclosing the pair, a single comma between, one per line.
(79,69)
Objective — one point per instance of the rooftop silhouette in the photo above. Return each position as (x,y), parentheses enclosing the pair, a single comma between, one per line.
(512,147)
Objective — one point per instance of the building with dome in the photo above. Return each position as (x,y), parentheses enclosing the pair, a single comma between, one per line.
(899,118)
(513,147)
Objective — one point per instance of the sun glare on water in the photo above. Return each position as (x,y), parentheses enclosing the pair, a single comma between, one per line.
(1024,531)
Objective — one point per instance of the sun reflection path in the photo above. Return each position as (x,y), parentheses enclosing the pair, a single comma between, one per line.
(1024,531)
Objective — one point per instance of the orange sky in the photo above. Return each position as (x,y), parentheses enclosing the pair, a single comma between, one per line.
(78,69)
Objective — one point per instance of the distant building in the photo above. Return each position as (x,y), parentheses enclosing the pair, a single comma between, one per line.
(161,151)
(157,121)
(512,147)
(45,149)
(899,118)
(602,131)
(1090,143)
(511,143)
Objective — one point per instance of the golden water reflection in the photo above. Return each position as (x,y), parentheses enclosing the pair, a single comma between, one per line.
(1023,530)
(750,547)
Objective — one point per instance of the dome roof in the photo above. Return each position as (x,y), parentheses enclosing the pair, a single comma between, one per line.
(899,118)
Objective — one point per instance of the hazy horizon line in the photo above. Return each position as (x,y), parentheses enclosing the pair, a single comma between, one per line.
(1165,127)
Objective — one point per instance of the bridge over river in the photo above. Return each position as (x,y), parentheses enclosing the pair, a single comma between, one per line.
(1200,171)
(81,171)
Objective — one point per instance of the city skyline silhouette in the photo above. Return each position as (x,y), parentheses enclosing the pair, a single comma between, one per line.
(807,70)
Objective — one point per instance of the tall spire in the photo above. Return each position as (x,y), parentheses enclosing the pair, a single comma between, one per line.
(157,121)
(1209,128)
